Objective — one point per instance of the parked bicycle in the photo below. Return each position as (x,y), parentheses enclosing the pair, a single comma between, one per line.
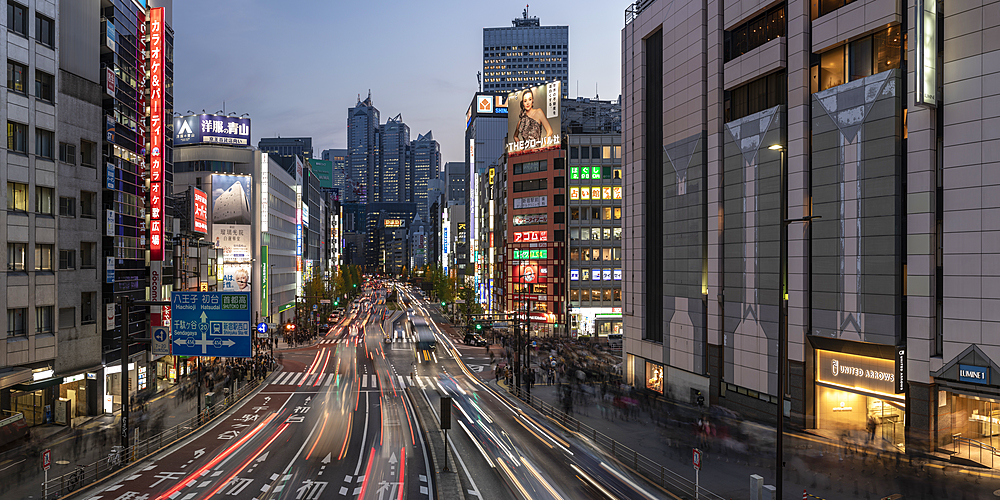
(115,457)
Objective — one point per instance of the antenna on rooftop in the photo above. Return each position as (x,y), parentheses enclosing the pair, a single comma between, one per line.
(525,11)
(479,78)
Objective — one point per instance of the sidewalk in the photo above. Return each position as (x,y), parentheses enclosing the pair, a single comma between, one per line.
(90,441)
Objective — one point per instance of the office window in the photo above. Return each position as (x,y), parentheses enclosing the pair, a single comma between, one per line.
(617,294)
(67,259)
(17,76)
(607,233)
(617,233)
(574,153)
(595,294)
(866,56)
(606,152)
(44,86)
(43,200)
(584,213)
(607,213)
(606,252)
(754,33)
(88,255)
(17,253)
(585,275)
(574,254)
(618,213)
(616,254)
(596,256)
(43,257)
(87,305)
(17,137)
(45,30)
(43,319)
(67,153)
(87,208)
(574,234)
(754,96)
(616,173)
(45,143)
(67,317)
(574,213)
(595,234)
(585,152)
(16,324)
(87,153)
(531,166)
(595,213)
(574,295)
(595,152)
(17,196)
(532,185)
(17,18)
(824,7)
(67,206)
(585,234)
(585,254)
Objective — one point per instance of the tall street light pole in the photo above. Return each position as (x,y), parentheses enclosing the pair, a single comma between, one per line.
(779,462)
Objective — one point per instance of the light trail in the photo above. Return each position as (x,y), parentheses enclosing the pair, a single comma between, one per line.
(325,417)
(242,466)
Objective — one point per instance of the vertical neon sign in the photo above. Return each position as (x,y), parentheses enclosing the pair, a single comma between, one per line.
(156,134)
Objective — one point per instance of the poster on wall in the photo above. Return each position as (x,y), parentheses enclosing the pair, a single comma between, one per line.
(236,277)
(231,216)
(533,122)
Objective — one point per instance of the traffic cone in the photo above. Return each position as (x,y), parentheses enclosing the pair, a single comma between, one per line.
(805,496)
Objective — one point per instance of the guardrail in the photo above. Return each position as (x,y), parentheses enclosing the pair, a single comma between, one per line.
(118,459)
(647,468)
(991,451)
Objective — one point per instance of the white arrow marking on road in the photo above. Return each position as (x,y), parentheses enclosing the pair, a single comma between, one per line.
(392,459)
(326,459)
(263,457)
(198,453)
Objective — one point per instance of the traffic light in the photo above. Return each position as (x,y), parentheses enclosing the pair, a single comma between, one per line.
(442,303)
(479,327)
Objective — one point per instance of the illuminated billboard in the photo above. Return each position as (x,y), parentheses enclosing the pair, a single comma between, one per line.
(211,129)
(530,272)
(530,236)
(231,216)
(393,223)
(199,210)
(533,119)
(156,133)
(323,170)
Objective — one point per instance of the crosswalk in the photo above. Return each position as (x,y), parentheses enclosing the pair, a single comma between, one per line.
(303,378)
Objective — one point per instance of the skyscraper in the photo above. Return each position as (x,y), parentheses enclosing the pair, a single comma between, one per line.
(392,178)
(525,54)
(425,163)
(363,149)
(338,171)
(285,149)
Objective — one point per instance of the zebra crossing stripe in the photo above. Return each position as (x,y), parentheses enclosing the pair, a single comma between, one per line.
(294,380)
(402,384)
(283,378)
(374,381)
(329,379)
(364,381)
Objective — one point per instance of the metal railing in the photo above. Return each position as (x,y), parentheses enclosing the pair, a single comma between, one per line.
(980,447)
(119,459)
(636,8)
(647,468)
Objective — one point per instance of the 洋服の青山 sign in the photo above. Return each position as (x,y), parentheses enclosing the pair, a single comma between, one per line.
(214,129)
(854,371)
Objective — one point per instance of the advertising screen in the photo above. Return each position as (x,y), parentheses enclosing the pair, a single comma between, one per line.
(214,129)
(530,272)
(231,216)
(236,277)
(533,122)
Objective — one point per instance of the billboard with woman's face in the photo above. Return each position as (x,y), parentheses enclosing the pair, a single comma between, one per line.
(533,122)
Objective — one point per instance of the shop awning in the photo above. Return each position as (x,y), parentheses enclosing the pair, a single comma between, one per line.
(15,376)
(39,385)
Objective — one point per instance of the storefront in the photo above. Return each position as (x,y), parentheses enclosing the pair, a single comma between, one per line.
(598,322)
(138,380)
(855,396)
(968,407)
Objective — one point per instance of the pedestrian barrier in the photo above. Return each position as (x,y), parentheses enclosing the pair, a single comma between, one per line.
(647,468)
(118,459)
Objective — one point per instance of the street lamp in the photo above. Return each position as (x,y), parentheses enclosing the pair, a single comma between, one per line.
(782,316)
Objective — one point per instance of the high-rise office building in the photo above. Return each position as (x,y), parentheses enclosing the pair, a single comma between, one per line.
(363,150)
(456,177)
(524,55)
(425,164)
(338,171)
(285,149)
(392,176)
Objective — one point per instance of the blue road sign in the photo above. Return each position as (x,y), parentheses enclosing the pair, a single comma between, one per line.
(262,327)
(211,324)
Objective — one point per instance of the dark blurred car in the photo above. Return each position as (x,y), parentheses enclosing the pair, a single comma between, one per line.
(476,340)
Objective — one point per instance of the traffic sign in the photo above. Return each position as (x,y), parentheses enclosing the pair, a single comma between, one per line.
(211,324)
(696,458)
(47,459)
(161,341)
(262,330)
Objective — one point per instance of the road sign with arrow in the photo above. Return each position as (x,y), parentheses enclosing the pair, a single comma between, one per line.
(211,324)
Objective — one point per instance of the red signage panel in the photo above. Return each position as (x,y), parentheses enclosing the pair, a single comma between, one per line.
(199,205)
(156,133)
(529,236)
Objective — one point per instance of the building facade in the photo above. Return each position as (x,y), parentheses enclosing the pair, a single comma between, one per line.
(882,150)
(486,128)
(425,165)
(524,55)
(393,176)
(285,149)
(363,147)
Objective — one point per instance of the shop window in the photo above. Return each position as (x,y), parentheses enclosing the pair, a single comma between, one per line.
(617,174)
(595,295)
(67,317)
(607,213)
(574,295)
(617,294)
(43,200)
(88,314)
(755,96)
(17,254)
(43,257)
(754,33)
(618,213)
(654,377)
(607,294)
(16,322)
(43,319)
(17,196)
(574,254)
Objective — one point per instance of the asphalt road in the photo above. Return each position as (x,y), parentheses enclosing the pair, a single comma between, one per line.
(340,421)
